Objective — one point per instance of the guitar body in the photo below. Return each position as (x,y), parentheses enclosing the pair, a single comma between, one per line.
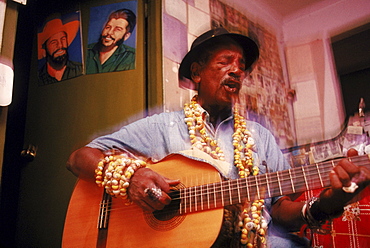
(129,226)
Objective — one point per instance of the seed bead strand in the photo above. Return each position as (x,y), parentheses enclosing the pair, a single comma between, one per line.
(117,175)
(250,224)
(99,177)
(198,134)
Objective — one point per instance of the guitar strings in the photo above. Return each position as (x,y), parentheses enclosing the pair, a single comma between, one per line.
(193,194)
(214,195)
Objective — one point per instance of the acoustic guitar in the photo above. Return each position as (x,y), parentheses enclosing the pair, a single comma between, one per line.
(195,215)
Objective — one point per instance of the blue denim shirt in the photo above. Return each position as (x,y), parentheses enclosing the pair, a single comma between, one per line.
(159,135)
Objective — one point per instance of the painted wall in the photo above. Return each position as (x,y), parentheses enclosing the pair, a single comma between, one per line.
(325,21)
(317,111)
(264,89)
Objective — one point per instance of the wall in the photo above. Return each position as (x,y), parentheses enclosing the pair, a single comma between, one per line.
(307,39)
(320,22)
(182,22)
(60,118)
(180,28)
(303,40)
(264,89)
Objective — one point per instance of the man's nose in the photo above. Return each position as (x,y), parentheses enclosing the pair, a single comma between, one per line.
(59,44)
(236,69)
(110,31)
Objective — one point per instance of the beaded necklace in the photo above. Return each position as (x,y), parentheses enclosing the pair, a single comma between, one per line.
(251,222)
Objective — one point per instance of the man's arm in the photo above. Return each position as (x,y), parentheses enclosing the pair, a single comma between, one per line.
(83,162)
(287,213)
(331,202)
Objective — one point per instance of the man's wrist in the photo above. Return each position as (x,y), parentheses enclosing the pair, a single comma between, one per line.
(315,218)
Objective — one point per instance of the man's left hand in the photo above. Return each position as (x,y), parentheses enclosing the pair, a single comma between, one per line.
(347,181)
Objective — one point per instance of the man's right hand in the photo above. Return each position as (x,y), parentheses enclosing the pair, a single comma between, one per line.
(149,190)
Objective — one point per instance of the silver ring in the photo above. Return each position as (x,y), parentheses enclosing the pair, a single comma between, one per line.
(350,189)
(153,193)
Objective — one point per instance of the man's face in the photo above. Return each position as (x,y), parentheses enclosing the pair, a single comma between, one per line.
(114,31)
(56,46)
(220,79)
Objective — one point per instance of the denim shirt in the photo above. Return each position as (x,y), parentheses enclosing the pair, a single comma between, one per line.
(159,135)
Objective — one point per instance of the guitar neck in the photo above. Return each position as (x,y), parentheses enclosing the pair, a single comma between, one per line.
(294,180)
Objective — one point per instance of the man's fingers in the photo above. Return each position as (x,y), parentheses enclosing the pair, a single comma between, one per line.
(172,182)
(338,181)
(352,153)
(346,167)
(156,198)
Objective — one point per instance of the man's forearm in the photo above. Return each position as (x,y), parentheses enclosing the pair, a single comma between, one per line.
(287,214)
(82,162)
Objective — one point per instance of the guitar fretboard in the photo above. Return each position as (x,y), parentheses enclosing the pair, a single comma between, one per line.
(294,180)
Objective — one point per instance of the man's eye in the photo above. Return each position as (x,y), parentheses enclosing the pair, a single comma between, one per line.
(243,65)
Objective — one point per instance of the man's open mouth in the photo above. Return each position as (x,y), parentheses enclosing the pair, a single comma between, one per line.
(231,86)
(59,52)
(108,38)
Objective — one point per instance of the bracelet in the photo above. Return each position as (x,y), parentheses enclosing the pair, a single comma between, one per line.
(120,169)
(100,168)
(316,220)
(314,212)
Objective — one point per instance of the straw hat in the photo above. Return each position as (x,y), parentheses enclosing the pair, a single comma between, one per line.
(55,26)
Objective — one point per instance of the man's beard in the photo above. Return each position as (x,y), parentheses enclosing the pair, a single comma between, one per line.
(59,60)
(118,43)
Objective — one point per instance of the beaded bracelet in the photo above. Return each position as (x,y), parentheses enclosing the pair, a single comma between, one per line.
(117,175)
(100,168)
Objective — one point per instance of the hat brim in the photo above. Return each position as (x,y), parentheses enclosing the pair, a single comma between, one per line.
(250,48)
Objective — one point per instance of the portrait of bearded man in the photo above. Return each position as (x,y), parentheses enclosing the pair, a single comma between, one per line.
(53,44)
(112,41)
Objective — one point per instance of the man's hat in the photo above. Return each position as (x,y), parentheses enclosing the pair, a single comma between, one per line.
(54,26)
(251,52)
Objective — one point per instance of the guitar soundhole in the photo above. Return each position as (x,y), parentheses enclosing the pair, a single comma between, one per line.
(169,217)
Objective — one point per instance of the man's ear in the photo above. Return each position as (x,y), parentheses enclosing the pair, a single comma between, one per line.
(195,72)
(126,36)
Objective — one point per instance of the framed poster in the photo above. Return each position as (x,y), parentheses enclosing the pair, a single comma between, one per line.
(112,38)
(59,48)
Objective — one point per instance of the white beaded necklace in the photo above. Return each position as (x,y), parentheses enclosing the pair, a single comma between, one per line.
(252,224)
